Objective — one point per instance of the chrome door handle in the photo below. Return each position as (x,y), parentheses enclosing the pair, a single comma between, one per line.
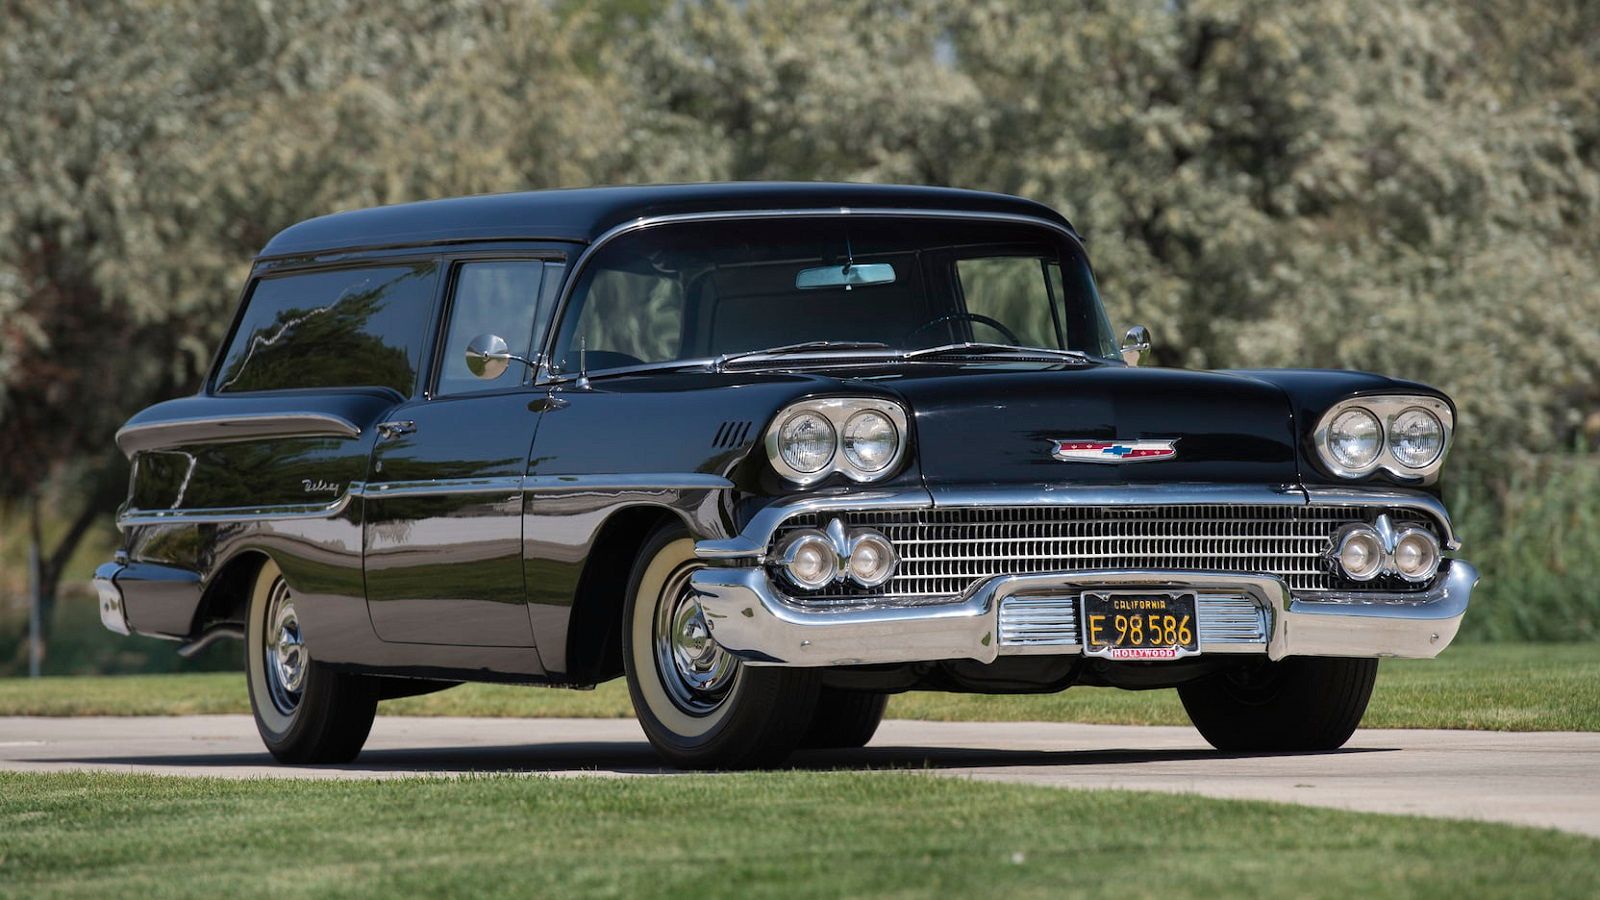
(392,430)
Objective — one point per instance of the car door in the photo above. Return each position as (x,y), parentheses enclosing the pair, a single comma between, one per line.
(442,541)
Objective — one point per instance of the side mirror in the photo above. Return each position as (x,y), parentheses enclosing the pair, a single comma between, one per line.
(488,356)
(1136,346)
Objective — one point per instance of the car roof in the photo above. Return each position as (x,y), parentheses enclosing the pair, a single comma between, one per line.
(583,214)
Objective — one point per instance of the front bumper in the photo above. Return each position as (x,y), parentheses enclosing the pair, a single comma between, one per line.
(1036,614)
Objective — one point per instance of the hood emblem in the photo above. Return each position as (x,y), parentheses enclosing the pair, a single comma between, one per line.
(1075,450)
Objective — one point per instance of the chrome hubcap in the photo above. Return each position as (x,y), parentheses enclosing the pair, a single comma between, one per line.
(696,671)
(284,651)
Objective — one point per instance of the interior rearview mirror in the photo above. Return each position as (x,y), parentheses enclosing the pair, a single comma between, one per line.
(1136,346)
(846,276)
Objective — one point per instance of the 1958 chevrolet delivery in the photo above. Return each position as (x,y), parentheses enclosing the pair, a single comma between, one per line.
(771,452)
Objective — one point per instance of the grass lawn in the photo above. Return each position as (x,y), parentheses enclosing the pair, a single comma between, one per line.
(1506,687)
(772,834)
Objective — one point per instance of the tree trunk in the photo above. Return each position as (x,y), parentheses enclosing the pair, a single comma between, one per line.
(46,574)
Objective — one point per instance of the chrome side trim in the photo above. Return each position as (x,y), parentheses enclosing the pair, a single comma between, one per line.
(230,428)
(548,376)
(223,515)
(653,482)
(1399,498)
(643,481)
(438,487)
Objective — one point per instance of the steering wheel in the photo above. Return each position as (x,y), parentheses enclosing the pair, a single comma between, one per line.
(1010,336)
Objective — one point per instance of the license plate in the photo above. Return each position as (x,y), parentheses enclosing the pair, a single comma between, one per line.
(1147,625)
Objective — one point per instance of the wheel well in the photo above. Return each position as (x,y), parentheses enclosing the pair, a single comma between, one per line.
(227,598)
(594,638)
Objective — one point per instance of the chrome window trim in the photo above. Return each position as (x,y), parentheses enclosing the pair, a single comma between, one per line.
(1386,407)
(838,411)
(232,428)
(547,375)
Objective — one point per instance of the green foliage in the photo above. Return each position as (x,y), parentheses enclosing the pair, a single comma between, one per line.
(1538,546)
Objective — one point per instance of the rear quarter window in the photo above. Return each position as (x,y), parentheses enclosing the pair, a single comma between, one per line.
(359,327)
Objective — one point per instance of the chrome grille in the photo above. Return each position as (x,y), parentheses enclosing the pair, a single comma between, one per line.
(1039,621)
(944,552)
(1230,619)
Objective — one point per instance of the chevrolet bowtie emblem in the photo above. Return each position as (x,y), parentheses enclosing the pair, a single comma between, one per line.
(1074,450)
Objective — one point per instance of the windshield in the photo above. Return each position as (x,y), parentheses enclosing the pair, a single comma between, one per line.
(712,289)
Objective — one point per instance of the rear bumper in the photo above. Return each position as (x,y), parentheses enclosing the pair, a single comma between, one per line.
(1036,614)
(147,598)
(113,613)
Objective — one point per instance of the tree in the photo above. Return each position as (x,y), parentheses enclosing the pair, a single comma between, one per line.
(152,149)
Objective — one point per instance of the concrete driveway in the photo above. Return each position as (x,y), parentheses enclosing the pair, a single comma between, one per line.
(1547,779)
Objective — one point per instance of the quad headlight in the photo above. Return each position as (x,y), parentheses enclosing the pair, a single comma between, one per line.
(1362,551)
(1359,552)
(1416,437)
(1355,438)
(812,558)
(870,441)
(806,442)
(1405,435)
(862,437)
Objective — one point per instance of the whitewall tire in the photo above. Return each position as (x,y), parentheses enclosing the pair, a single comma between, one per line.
(698,705)
(305,712)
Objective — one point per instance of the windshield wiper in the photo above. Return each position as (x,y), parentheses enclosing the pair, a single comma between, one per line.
(801,348)
(980,348)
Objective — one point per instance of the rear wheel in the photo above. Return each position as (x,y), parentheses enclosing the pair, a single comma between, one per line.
(305,712)
(1300,703)
(700,708)
(844,720)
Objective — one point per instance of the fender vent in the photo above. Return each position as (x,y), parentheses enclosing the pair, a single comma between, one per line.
(731,434)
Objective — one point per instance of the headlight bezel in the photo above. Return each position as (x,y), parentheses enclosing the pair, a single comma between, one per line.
(1386,408)
(838,411)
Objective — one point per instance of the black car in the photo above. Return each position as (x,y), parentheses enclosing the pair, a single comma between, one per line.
(772,452)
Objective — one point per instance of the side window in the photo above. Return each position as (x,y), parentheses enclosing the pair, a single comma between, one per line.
(500,297)
(628,318)
(359,327)
(1012,290)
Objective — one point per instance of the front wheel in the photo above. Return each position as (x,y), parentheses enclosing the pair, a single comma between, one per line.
(700,708)
(844,720)
(1300,703)
(305,712)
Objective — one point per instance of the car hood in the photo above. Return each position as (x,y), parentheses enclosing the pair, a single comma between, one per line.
(986,425)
